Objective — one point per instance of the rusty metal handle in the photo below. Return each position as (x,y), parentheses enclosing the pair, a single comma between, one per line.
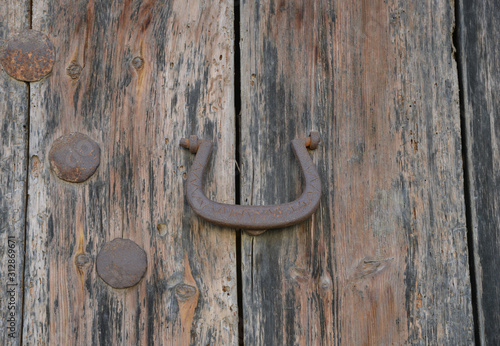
(253,217)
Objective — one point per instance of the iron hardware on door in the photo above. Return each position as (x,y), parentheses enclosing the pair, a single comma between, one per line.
(253,217)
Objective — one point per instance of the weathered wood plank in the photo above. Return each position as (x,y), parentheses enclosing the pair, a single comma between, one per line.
(14,17)
(479,47)
(151,73)
(384,260)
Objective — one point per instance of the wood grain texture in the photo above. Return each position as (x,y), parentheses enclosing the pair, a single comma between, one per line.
(136,110)
(384,260)
(479,47)
(14,17)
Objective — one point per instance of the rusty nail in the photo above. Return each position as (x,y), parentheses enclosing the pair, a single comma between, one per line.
(121,263)
(184,143)
(74,157)
(192,143)
(138,62)
(74,70)
(28,56)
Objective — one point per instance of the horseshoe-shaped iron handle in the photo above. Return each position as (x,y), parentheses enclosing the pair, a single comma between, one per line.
(253,217)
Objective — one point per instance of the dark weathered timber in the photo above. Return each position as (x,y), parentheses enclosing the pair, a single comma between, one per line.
(253,217)
(134,76)
(479,48)
(384,259)
(14,106)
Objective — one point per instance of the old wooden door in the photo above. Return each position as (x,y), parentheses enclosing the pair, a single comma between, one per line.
(400,250)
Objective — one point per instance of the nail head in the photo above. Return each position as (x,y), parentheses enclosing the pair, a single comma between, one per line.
(121,263)
(28,56)
(74,157)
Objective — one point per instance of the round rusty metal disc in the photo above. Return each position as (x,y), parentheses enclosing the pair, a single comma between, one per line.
(28,56)
(121,263)
(74,157)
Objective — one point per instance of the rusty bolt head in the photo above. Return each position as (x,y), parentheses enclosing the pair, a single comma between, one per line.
(28,56)
(121,263)
(138,62)
(74,70)
(74,157)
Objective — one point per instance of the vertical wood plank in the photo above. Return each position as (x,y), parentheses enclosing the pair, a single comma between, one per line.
(135,76)
(384,260)
(479,47)
(14,17)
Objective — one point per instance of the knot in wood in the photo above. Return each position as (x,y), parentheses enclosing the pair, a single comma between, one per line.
(138,62)
(185,291)
(74,70)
